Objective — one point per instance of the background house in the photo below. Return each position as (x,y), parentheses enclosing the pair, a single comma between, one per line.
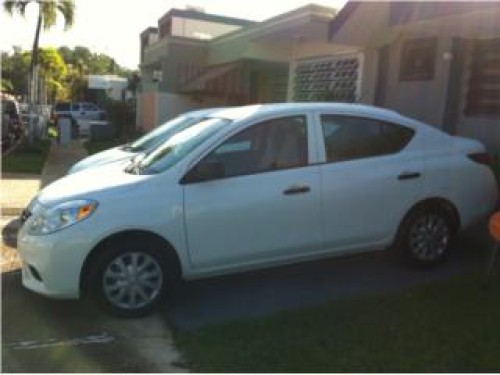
(172,53)
(254,63)
(435,61)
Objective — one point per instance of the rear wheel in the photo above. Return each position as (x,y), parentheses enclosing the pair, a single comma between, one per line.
(130,279)
(426,235)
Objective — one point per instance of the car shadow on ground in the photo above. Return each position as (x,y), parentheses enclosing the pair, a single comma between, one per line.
(261,293)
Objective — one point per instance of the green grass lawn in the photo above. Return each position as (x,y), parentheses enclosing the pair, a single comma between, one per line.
(445,327)
(27,159)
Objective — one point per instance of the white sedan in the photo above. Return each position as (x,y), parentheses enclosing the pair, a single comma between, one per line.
(252,187)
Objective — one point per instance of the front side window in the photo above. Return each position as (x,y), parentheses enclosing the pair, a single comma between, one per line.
(348,138)
(180,144)
(75,107)
(271,145)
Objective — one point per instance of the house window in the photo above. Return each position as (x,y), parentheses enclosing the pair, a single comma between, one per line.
(418,60)
(335,79)
(483,95)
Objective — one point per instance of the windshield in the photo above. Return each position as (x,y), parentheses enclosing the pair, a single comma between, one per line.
(180,144)
(161,133)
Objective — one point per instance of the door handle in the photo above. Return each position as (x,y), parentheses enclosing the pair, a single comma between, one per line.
(408,175)
(297,189)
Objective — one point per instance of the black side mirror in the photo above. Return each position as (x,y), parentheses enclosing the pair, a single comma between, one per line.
(205,171)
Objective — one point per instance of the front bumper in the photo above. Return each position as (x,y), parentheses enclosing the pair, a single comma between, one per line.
(52,263)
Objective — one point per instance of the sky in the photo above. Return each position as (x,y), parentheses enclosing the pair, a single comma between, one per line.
(113,26)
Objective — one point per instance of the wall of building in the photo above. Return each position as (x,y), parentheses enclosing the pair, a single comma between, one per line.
(242,47)
(199,29)
(184,59)
(427,100)
(146,116)
(323,51)
(484,128)
(423,100)
(155,108)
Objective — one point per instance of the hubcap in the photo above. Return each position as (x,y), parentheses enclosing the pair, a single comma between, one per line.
(132,280)
(429,237)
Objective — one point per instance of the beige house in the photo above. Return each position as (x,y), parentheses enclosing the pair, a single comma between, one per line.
(254,63)
(436,61)
(172,53)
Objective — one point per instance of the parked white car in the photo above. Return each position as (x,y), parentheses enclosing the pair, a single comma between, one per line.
(253,187)
(144,144)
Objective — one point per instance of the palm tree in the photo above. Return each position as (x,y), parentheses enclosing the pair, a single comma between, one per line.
(47,15)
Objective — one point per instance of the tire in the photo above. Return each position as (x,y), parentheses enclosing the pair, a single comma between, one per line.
(130,277)
(425,236)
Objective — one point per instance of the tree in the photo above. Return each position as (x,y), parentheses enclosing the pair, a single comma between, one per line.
(15,68)
(47,15)
(53,70)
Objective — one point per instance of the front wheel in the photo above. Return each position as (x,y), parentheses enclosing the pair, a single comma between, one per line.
(130,279)
(425,236)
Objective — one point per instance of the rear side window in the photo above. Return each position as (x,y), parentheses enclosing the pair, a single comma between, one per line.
(349,138)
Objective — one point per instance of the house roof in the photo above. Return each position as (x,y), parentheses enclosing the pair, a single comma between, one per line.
(401,13)
(196,15)
(149,30)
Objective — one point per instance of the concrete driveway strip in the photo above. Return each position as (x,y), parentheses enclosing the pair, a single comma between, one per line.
(44,335)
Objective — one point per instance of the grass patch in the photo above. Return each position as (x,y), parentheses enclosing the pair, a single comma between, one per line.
(445,327)
(26,158)
(93,147)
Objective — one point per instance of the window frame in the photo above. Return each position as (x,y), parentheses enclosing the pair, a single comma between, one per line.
(312,156)
(322,145)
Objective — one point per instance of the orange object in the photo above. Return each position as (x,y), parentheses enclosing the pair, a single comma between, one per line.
(495,226)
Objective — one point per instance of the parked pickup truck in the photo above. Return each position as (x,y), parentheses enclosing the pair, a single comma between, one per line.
(79,111)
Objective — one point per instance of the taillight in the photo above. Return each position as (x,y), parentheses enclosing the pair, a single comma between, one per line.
(481,158)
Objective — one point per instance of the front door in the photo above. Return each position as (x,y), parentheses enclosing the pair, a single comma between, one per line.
(266,207)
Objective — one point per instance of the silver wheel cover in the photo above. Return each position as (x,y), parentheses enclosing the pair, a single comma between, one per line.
(429,237)
(132,280)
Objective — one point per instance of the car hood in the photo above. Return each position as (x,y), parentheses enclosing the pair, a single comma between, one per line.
(93,183)
(102,158)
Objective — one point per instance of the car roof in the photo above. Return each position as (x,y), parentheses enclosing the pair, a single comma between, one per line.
(203,112)
(362,110)
(239,113)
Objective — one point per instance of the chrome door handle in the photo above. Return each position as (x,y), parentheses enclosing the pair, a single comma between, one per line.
(297,189)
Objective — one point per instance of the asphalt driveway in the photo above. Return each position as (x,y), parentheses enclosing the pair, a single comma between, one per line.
(260,293)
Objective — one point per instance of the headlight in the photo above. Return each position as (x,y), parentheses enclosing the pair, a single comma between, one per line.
(60,216)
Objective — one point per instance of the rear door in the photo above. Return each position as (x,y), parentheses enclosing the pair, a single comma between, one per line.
(267,206)
(370,178)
